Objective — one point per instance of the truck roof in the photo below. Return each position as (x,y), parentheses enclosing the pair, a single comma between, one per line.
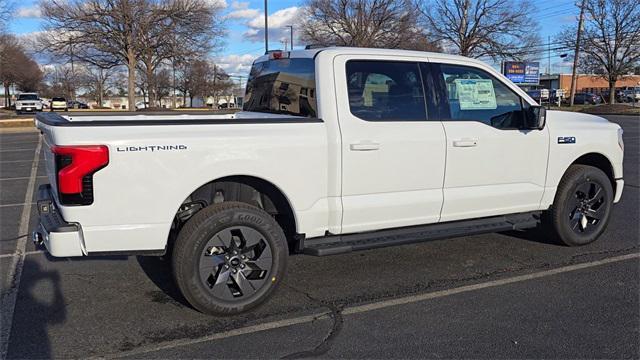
(337,50)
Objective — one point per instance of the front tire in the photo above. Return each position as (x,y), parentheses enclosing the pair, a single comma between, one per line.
(229,258)
(582,206)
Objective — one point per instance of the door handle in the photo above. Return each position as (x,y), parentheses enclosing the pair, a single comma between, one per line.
(466,142)
(364,146)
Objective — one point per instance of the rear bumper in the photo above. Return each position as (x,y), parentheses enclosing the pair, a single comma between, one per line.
(61,238)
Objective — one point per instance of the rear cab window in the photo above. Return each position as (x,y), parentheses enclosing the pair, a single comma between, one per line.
(284,86)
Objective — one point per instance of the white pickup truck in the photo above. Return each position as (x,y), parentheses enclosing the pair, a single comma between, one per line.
(337,150)
(28,102)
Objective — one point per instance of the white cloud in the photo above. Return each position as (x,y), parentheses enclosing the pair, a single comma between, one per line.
(243,14)
(218,4)
(277,22)
(238,5)
(29,12)
(235,64)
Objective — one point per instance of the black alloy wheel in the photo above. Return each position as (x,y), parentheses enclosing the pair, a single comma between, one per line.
(235,262)
(582,206)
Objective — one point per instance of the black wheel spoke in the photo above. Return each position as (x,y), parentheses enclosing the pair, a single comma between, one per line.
(221,288)
(595,195)
(597,214)
(251,237)
(222,239)
(575,221)
(262,263)
(582,191)
(244,284)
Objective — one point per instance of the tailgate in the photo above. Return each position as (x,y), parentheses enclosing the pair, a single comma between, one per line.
(49,158)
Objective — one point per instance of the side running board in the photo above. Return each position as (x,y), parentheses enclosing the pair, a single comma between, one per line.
(339,244)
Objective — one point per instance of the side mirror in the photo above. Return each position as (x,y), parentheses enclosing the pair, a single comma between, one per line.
(535,117)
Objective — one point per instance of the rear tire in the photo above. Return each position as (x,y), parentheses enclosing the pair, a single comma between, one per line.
(229,258)
(582,206)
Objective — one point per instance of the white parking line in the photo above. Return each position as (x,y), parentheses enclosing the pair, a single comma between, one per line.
(26,253)
(18,204)
(15,271)
(22,178)
(17,150)
(18,161)
(368,307)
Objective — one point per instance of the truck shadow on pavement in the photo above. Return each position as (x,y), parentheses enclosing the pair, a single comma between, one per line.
(40,305)
(158,270)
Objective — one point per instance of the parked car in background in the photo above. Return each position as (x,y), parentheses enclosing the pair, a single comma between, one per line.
(28,102)
(582,98)
(142,105)
(74,104)
(59,103)
(631,95)
(539,95)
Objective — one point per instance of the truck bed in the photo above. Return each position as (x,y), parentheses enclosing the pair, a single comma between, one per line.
(242,117)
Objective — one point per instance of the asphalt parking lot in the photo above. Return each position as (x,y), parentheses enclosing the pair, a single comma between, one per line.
(507,295)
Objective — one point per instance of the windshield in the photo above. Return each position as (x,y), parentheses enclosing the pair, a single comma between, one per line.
(282,86)
(57,99)
(27,97)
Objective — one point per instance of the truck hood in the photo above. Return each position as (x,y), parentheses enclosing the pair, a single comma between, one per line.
(573,120)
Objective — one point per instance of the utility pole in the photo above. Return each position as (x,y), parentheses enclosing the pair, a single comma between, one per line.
(285,41)
(549,55)
(291,28)
(576,55)
(266,28)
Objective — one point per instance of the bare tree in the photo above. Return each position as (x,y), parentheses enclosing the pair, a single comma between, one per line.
(610,43)
(6,10)
(62,81)
(363,23)
(17,67)
(123,31)
(96,80)
(478,28)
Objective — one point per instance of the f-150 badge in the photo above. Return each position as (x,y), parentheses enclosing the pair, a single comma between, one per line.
(566,140)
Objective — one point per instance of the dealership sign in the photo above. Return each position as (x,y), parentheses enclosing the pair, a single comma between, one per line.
(522,73)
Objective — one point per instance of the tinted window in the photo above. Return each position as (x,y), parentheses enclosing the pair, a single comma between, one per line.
(474,94)
(385,91)
(57,99)
(27,97)
(282,86)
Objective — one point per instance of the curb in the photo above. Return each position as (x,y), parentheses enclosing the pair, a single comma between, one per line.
(13,123)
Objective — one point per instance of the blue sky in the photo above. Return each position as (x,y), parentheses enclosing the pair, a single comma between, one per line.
(245,39)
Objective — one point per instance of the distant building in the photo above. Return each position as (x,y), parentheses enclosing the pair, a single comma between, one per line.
(587,83)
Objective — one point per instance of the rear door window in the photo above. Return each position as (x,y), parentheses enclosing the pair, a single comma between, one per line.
(385,90)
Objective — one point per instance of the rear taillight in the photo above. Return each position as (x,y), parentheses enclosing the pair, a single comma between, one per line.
(75,166)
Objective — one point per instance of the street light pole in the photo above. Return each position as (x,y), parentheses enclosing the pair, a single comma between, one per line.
(576,54)
(266,28)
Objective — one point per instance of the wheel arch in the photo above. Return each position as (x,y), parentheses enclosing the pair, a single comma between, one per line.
(598,161)
(249,189)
